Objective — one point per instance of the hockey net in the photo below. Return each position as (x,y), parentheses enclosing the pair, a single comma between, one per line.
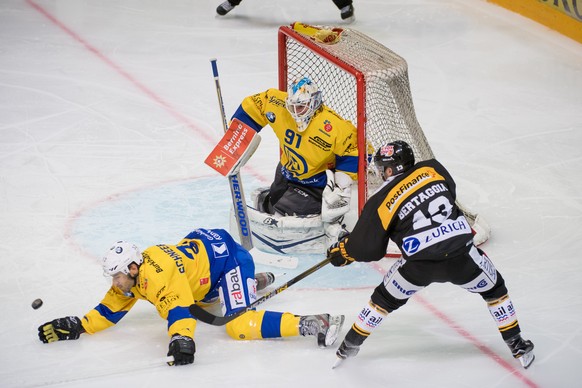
(366,83)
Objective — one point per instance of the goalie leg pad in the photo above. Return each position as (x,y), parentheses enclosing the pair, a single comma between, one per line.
(287,234)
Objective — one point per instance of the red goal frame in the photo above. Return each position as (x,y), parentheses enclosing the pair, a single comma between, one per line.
(286,33)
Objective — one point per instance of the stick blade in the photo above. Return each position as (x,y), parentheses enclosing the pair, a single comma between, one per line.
(204,316)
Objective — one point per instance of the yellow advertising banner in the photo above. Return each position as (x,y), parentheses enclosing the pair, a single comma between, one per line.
(564,16)
(572,8)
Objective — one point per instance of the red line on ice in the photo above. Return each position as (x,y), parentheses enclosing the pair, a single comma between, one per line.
(118,69)
(465,334)
(147,91)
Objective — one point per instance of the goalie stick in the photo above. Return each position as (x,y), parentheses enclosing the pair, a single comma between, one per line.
(202,315)
(241,216)
(234,181)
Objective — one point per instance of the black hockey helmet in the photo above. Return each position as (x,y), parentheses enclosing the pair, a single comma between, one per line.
(397,155)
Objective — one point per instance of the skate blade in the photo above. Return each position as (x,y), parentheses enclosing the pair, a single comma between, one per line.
(337,363)
(527,359)
(334,330)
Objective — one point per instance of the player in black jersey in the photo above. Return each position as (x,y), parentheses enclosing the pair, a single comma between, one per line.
(416,208)
(345,6)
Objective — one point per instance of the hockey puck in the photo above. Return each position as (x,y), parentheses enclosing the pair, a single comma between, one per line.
(36,304)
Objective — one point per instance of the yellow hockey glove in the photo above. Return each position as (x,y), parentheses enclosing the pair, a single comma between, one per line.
(67,328)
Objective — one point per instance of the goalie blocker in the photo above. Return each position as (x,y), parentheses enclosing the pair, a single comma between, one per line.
(235,148)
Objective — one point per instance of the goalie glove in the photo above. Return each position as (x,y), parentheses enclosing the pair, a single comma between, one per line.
(336,196)
(60,329)
(337,255)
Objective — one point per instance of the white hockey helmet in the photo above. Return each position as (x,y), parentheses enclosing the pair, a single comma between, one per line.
(119,257)
(303,99)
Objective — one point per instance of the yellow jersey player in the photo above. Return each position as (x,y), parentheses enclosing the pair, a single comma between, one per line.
(204,266)
(318,154)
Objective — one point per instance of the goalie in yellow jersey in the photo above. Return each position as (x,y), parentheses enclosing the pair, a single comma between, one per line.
(318,159)
(203,267)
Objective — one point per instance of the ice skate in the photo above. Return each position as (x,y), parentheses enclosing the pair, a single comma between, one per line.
(345,350)
(347,13)
(264,280)
(522,350)
(224,8)
(324,326)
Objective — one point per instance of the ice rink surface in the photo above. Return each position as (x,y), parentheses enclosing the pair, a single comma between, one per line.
(108,109)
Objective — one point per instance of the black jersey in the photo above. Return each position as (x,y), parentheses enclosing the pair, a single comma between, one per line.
(417,211)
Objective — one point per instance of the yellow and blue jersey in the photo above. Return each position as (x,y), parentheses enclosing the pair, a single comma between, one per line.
(328,142)
(173,277)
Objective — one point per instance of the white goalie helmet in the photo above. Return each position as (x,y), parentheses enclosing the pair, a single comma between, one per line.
(119,257)
(303,99)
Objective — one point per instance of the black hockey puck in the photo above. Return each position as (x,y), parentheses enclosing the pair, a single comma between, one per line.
(36,303)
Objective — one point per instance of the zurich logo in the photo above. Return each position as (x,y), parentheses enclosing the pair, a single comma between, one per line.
(270,116)
(410,245)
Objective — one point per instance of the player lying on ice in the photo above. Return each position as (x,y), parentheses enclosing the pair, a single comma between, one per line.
(318,163)
(205,265)
(416,209)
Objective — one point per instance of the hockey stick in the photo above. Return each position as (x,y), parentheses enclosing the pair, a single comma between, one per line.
(234,181)
(202,315)
(240,207)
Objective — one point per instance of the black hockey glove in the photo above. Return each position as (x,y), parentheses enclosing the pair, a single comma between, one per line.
(182,348)
(337,254)
(67,328)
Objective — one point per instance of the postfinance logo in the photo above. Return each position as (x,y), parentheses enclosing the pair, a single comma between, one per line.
(404,189)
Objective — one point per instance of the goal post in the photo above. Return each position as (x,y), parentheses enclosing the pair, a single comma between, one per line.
(323,67)
(366,83)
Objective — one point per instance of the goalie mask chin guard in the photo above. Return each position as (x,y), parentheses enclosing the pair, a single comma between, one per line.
(303,100)
(119,257)
(397,155)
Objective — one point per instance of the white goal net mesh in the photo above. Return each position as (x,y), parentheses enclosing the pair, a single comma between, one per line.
(364,82)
